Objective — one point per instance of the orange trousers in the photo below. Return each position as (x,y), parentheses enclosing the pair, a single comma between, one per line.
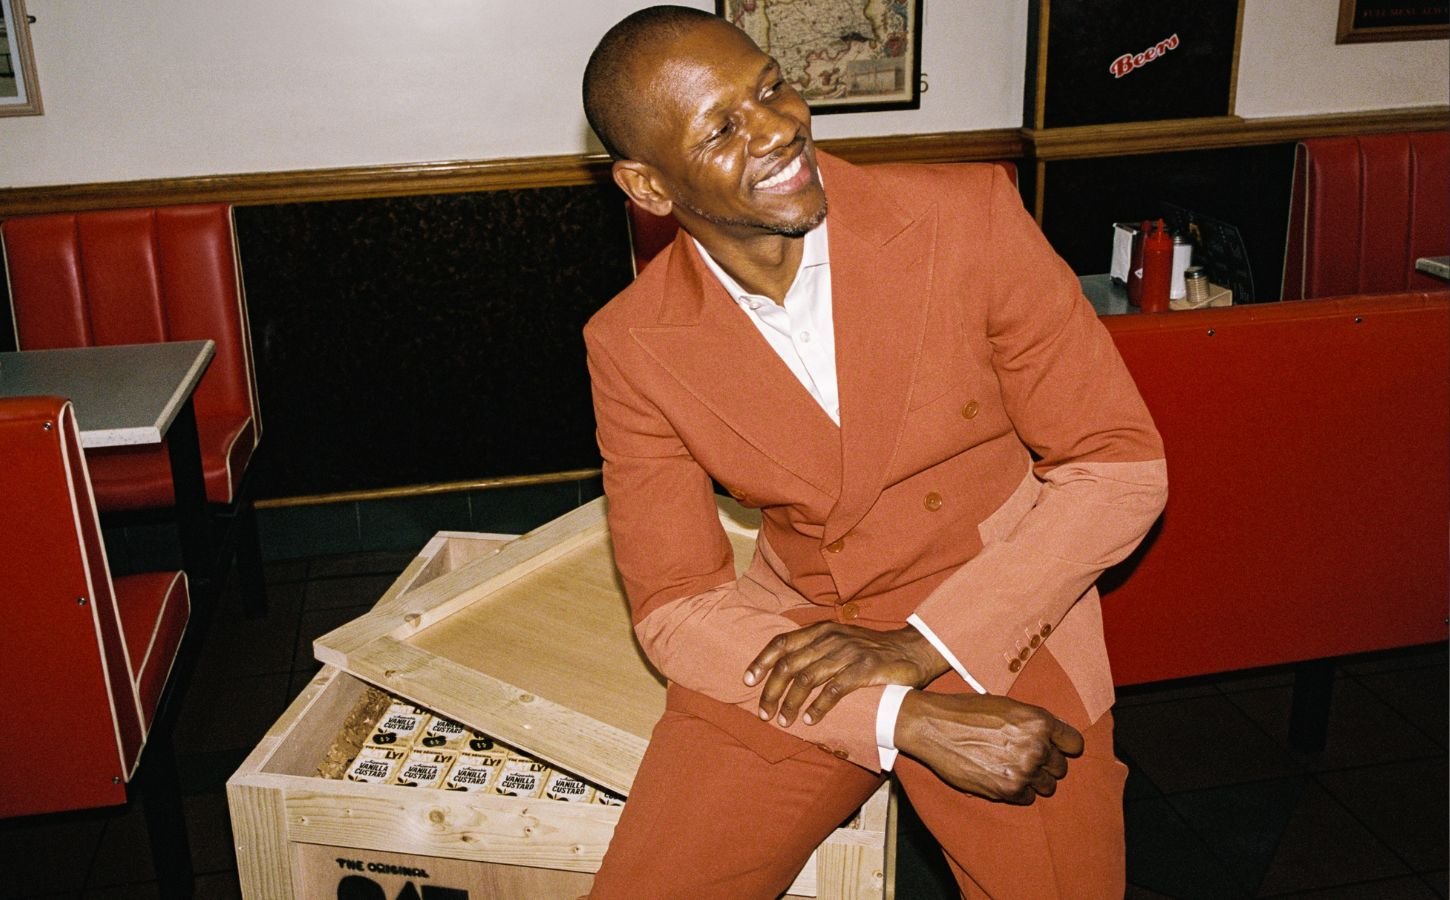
(709,817)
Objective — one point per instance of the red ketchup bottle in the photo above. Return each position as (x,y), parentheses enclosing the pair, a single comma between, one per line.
(1157,269)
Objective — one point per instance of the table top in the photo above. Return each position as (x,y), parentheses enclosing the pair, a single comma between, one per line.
(1107,296)
(1438,266)
(123,394)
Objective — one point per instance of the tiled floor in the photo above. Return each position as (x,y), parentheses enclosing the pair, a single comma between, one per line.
(1218,805)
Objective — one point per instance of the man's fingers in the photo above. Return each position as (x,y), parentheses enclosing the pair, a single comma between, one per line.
(774,649)
(1043,783)
(1055,764)
(1067,739)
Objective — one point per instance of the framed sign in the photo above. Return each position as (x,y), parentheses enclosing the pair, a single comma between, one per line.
(1361,21)
(1099,62)
(19,89)
(840,55)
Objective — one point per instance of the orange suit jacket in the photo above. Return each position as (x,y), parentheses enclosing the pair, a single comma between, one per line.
(993,454)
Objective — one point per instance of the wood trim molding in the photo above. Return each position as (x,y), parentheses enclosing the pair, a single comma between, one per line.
(459,176)
(1132,138)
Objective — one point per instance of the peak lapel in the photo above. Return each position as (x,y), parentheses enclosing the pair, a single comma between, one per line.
(711,348)
(881,285)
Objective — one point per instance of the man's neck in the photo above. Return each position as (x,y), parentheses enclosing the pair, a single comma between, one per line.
(764,265)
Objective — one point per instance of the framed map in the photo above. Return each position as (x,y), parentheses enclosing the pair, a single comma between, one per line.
(841,55)
(19,90)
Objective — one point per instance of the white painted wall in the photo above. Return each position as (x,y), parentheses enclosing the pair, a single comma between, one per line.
(139,89)
(1289,65)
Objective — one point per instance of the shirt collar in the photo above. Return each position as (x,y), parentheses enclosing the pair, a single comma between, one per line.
(815,252)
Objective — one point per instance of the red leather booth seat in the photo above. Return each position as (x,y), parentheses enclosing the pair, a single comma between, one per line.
(87,659)
(1363,209)
(649,233)
(144,276)
(1309,484)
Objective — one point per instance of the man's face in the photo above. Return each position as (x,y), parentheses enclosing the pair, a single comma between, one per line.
(730,140)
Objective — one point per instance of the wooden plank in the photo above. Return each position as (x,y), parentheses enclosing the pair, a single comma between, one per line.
(260,840)
(480,827)
(532,645)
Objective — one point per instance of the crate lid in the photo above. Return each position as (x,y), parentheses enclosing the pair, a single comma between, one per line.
(532,645)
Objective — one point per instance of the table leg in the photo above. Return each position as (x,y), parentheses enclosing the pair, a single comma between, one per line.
(193,517)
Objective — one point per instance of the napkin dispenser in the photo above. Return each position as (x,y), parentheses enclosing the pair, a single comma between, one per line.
(1123,234)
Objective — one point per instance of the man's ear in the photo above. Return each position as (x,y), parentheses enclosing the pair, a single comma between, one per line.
(641,182)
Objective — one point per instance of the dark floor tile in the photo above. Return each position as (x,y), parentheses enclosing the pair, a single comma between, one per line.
(1404,804)
(124,856)
(1139,786)
(1406,888)
(1197,743)
(1323,846)
(1421,695)
(144,890)
(206,772)
(314,624)
(48,855)
(1438,882)
(285,571)
(356,590)
(235,645)
(209,832)
(1363,729)
(1166,858)
(218,886)
(1242,824)
(1142,694)
(231,714)
(373,562)
(1141,893)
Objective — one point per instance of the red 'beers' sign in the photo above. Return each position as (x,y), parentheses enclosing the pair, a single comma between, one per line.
(1130,61)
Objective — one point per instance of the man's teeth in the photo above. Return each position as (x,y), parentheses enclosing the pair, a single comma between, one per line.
(783,175)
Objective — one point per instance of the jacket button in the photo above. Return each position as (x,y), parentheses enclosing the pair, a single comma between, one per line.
(836,546)
(839,754)
(738,495)
(1024,654)
(1046,629)
(849,610)
(932,501)
(971,409)
(1015,665)
(1034,641)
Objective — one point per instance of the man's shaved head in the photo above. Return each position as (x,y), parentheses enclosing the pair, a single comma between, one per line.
(611,101)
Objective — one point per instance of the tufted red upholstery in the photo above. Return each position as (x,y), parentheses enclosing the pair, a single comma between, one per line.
(142,276)
(1309,484)
(649,233)
(1363,209)
(87,657)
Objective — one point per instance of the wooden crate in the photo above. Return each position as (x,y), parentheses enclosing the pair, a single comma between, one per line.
(299,835)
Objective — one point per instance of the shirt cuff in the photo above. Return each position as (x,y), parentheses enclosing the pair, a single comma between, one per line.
(915,622)
(886,712)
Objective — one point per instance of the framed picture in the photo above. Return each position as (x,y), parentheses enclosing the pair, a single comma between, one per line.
(1361,21)
(841,55)
(19,89)
(1101,62)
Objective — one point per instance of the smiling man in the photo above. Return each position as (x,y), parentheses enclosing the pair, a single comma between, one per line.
(894,367)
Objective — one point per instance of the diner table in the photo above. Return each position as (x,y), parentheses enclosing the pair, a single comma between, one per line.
(133,394)
(1437,266)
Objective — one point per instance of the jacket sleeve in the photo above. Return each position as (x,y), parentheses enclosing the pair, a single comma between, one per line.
(1099,457)
(697,623)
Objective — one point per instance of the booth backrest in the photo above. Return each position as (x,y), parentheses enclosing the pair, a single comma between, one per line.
(65,651)
(649,233)
(130,276)
(1363,209)
(1308,514)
